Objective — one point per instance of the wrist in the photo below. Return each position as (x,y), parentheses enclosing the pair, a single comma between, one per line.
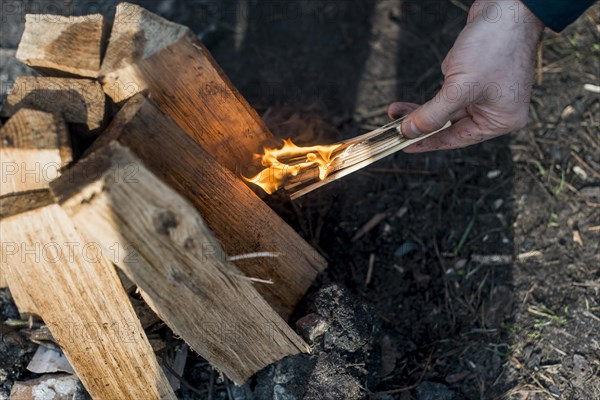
(509,15)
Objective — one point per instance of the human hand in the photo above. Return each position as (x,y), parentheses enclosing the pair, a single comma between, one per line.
(488,75)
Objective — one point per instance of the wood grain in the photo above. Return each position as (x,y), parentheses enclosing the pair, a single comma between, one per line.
(79,101)
(34,147)
(147,52)
(174,258)
(78,294)
(62,46)
(239,219)
(53,272)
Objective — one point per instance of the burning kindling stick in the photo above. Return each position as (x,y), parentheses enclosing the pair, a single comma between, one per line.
(300,170)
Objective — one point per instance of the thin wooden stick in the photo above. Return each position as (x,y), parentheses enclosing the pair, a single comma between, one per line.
(359,152)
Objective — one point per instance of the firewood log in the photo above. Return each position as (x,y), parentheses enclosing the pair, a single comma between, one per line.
(239,219)
(34,147)
(167,250)
(56,45)
(55,272)
(80,101)
(147,52)
(78,294)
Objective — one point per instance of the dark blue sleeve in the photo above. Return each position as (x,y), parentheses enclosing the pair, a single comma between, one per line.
(557,14)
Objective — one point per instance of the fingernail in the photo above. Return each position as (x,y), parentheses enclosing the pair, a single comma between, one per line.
(410,130)
(393,112)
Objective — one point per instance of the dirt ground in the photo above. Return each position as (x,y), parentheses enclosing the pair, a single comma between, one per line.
(484,281)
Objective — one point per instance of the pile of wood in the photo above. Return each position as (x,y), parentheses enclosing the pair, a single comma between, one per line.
(158,195)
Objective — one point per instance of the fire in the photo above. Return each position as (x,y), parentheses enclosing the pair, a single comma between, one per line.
(291,162)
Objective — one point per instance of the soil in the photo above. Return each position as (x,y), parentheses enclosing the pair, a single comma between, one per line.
(485,281)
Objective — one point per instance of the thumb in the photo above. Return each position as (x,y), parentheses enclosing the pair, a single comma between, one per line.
(434,114)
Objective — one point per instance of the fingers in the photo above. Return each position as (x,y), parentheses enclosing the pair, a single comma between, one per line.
(400,109)
(461,134)
(435,113)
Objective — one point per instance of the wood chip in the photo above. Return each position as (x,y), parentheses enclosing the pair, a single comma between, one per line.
(370,270)
(577,238)
(529,254)
(591,88)
(47,361)
(492,259)
(372,223)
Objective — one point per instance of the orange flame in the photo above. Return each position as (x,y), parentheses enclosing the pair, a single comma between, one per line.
(290,162)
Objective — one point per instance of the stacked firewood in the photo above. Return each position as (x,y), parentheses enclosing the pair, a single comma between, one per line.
(158,194)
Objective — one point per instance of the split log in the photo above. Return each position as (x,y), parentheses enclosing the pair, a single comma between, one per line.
(53,272)
(62,46)
(239,219)
(34,147)
(147,52)
(80,101)
(174,258)
(78,294)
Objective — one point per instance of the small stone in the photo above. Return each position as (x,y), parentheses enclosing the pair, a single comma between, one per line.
(567,112)
(494,173)
(497,203)
(458,377)
(527,352)
(49,387)
(279,393)
(388,355)
(436,391)
(580,172)
(311,326)
(401,212)
(499,306)
(405,249)
(387,229)
(554,390)
(534,361)
(580,366)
